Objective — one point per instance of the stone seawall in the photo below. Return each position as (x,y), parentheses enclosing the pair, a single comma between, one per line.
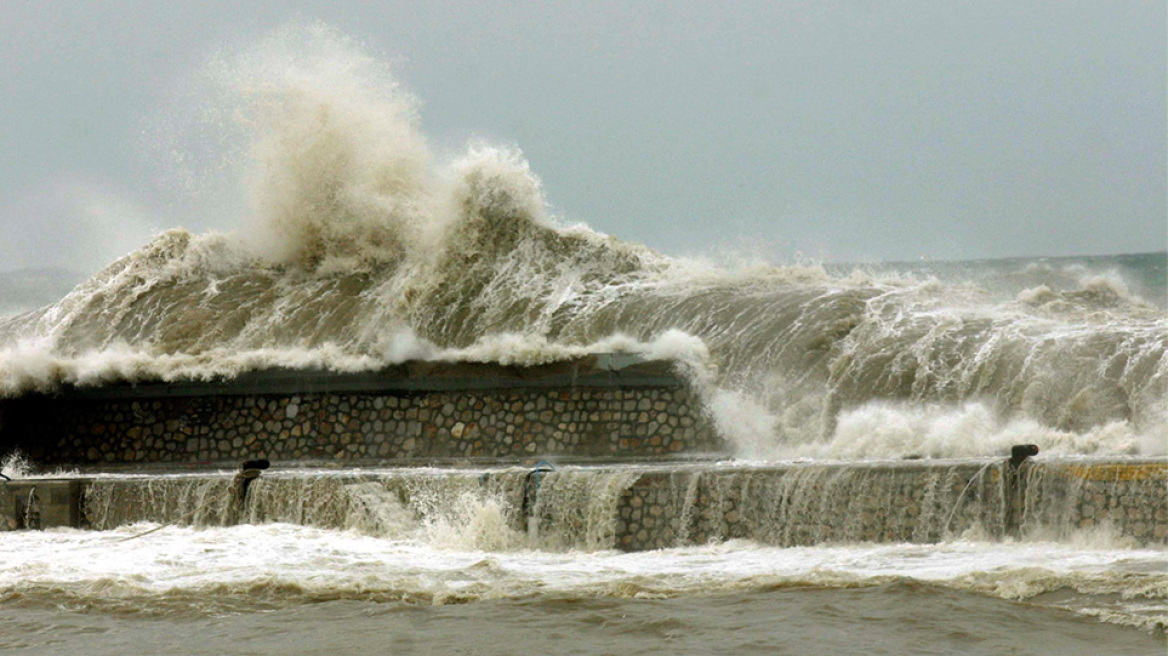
(611,407)
(641,508)
(892,502)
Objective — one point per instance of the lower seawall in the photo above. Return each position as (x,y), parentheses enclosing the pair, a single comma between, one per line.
(639,508)
(809,504)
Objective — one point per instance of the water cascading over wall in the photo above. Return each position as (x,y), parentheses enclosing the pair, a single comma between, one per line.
(638,508)
(808,504)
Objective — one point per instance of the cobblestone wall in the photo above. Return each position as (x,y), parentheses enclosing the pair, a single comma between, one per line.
(1130,498)
(489,424)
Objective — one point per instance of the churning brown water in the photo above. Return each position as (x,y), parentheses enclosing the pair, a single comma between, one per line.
(888,618)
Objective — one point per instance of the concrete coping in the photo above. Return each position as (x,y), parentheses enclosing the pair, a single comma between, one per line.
(1098,469)
(598,370)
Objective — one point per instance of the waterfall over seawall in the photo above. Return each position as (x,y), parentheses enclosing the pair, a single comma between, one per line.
(810,504)
(636,508)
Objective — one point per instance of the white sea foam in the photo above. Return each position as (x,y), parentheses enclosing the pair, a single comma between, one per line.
(1089,291)
(283,564)
(968,430)
(15,465)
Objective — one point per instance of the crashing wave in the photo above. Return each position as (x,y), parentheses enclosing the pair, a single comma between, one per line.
(366,251)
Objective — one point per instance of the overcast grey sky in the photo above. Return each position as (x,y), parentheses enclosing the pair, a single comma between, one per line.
(845,130)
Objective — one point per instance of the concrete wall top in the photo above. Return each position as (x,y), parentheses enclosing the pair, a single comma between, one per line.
(599,370)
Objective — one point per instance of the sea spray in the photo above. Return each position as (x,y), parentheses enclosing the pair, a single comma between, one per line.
(14,465)
(363,250)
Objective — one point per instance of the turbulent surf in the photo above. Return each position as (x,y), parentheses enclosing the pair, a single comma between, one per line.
(362,248)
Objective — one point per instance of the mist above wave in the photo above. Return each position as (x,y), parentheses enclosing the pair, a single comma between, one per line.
(363,249)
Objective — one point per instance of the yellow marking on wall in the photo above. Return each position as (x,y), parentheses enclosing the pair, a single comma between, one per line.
(1115,472)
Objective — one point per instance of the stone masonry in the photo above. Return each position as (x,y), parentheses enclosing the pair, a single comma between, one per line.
(439,415)
(893,502)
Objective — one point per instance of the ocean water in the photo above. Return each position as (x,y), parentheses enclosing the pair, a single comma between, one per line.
(361,248)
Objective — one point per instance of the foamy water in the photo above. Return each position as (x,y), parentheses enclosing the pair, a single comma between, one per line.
(276,565)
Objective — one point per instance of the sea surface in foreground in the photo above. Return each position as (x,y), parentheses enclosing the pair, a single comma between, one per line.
(280,588)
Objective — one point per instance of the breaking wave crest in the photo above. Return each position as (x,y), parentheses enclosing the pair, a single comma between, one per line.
(365,249)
